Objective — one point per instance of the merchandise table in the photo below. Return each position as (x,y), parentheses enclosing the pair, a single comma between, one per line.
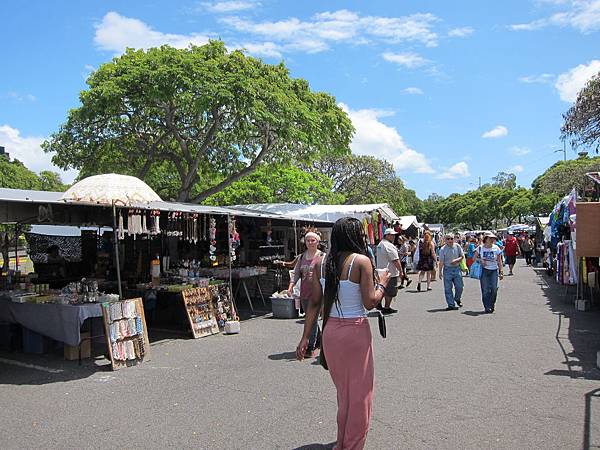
(59,322)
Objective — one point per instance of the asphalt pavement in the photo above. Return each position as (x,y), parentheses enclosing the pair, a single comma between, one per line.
(523,377)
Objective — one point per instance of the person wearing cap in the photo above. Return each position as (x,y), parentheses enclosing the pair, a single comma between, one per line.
(388,258)
(450,257)
(490,257)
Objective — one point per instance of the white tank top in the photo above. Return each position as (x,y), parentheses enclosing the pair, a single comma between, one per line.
(351,304)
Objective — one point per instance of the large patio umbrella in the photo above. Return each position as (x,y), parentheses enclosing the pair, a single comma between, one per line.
(112,189)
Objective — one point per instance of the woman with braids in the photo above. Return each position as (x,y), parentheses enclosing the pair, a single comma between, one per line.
(351,289)
(304,270)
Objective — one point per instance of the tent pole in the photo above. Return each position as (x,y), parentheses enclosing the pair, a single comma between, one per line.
(295,238)
(229,259)
(116,239)
(16,248)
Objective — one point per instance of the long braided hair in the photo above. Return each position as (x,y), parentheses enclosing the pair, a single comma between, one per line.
(348,236)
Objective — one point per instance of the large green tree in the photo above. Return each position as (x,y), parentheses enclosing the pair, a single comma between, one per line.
(275,184)
(563,176)
(364,179)
(582,120)
(212,115)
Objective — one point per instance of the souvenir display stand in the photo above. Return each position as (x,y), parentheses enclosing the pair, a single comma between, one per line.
(126,333)
(588,253)
(201,314)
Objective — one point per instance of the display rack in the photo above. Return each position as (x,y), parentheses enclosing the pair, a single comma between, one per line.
(223,305)
(126,332)
(200,311)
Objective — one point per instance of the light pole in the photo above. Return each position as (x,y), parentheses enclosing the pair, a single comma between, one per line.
(564,150)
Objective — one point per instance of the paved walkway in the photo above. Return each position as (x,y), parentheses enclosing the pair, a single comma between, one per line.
(523,377)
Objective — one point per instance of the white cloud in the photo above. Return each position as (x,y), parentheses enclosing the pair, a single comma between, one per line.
(228,6)
(520,151)
(461,32)
(408,59)
(116,33)
(570,83)
(342,26)
(582,15)
(28,150)
(543,78)
(375,138)
(458,170)
(412,91)
(268,49)
(496,132)
(516,169)
(18,97)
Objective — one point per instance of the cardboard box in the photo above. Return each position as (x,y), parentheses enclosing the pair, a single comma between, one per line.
(72,351)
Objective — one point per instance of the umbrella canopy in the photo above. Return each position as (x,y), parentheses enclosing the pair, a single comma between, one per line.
(111,188)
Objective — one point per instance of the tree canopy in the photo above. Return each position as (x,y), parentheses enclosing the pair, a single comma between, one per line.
(209,115)
(275,184)
(558,180)
(582,120)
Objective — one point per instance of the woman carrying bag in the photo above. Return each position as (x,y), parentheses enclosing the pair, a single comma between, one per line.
(351,289)
(489,256)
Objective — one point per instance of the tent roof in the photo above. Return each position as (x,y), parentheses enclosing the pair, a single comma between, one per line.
(409,221)
(326,213)
(45,197)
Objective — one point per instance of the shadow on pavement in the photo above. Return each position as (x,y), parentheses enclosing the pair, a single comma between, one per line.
(583,332)
(285,356)
(316,446)
(437,310)
(587,430)
(474,313)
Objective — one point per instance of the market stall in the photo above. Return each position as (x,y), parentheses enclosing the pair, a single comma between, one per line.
(137,246)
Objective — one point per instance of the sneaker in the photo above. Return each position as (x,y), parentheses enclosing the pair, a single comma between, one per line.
(389,310)
(401,286)
(459,303)
(379,307)
(429,289)
(408,283)
(451,308)
(419,286)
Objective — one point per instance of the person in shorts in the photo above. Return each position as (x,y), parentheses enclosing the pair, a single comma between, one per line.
(388,258)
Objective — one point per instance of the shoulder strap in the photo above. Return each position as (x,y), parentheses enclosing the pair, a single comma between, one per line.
(350,266)
(322,263)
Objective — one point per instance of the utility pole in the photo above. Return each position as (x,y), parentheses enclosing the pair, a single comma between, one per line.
(564,150)
(479,182)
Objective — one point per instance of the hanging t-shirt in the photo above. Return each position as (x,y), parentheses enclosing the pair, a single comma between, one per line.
(489,256)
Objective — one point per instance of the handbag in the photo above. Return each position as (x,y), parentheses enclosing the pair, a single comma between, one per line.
(381,322)
(475,271)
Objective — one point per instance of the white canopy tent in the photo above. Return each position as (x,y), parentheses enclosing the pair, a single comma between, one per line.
(326,213)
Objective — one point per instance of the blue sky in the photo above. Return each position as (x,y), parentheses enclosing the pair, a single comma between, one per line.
(446,91)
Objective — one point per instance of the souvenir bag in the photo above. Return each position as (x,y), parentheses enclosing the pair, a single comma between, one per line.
(475,271)
(382,327)
(463,265)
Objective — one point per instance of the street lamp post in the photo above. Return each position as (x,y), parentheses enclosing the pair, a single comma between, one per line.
(563,150)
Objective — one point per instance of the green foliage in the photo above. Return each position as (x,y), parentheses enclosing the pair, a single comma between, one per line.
(270,184)
(14,175)
(208,115)
(582,120)
(562,177)
(51,181)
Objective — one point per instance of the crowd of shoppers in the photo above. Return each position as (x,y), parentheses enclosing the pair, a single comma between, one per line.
(353,278)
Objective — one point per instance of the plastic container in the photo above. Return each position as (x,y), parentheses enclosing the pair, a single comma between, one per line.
(232,327)
(284,308)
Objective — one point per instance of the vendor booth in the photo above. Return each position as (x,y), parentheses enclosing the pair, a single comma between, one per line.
(182,266)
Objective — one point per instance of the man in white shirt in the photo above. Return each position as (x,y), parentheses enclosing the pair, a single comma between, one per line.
(388,258)
(450,257)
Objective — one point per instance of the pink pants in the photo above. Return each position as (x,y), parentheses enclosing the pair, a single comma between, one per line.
(349,354)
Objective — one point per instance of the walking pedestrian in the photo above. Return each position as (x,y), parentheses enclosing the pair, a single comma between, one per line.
(451,256)
(470,247)
(426,263)
(527,247)
(388,258)
(404,251)
(304,270)
(511,251)
(351,290)
(490,257)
